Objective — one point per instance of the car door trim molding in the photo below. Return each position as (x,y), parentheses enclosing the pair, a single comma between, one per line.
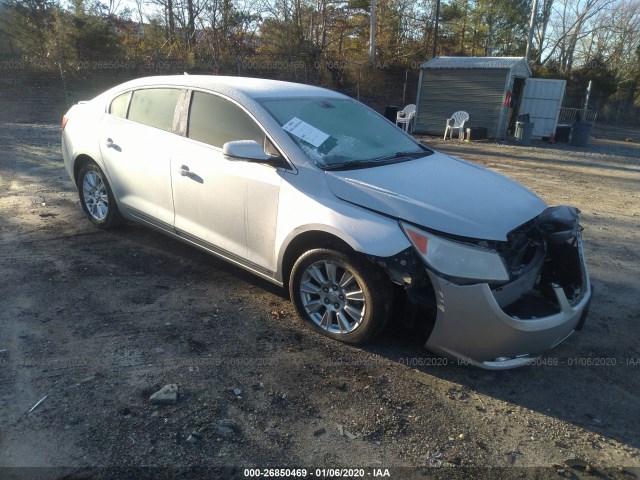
(203,245)
(230,257)
(138,215)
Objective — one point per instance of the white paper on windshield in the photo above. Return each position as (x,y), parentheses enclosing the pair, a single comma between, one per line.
(306,132)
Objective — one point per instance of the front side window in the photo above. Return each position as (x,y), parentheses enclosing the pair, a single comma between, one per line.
(119,105)
(342,133)
(154,107)
(216,121)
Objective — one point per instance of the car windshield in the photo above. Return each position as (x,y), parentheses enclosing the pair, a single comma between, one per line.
(342,133)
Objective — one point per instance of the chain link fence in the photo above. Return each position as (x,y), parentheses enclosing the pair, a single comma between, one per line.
(41,91)
(611,112)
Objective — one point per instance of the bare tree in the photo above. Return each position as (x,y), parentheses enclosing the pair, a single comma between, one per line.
(573,23)
(542,23)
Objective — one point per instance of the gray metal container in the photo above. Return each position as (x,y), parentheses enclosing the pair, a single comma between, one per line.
(523,132)
(580,134)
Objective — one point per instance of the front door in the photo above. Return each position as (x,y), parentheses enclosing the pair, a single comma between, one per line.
(228,205)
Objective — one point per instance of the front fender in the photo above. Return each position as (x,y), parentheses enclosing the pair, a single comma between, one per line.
(363,230)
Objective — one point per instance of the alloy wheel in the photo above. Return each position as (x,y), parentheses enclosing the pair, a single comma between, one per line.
(94,193)
(332,297)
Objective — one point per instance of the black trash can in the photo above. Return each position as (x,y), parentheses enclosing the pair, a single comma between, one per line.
(391,113)
(476,133)
(524,130)
(580,134)
(563,132)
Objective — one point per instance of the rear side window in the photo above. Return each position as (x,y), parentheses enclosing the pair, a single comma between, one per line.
(119,105)
(154,107)
(215,121)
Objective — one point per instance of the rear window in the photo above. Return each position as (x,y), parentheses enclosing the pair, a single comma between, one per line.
(119,105)
(154,107)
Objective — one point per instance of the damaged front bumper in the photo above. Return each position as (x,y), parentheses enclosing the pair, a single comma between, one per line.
(472,324)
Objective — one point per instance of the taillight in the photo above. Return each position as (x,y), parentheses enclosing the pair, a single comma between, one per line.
(65,119)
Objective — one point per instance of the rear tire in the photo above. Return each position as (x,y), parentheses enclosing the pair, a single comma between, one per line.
(96,197)
(344,297)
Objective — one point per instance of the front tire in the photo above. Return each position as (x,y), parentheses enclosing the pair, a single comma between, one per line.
(346,298)
(96,197)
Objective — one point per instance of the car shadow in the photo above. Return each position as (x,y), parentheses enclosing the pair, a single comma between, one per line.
(567,383)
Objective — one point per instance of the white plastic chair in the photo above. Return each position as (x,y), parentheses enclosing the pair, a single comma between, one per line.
(459,119)
(405,116)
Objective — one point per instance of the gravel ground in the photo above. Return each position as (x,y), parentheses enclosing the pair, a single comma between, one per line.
(98,321)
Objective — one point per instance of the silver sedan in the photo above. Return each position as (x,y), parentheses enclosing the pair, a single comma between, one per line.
(317,193)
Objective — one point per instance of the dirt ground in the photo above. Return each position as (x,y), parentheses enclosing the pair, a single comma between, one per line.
(97,321)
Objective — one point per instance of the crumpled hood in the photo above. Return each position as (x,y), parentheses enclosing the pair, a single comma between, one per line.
(441,193)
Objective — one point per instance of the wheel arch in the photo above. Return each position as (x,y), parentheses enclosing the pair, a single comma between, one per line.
(80,161)
(305,241)
(111,216)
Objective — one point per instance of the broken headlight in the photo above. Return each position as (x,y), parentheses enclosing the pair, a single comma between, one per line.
(456,259)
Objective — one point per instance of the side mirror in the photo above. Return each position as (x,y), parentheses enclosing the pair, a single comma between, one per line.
(245,149)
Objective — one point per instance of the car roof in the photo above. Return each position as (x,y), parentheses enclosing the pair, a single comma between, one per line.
(252,87)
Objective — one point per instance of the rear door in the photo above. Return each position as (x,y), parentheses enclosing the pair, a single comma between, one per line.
(542,99)
(136,142)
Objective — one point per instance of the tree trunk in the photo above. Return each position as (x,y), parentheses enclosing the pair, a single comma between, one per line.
(191,26)
(464,27)
(547,5)
(171,21)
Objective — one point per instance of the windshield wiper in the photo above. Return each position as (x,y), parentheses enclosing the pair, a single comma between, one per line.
(352,164)
(406,154)
(397,157)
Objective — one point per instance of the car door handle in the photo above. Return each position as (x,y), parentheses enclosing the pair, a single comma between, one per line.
(185,172)
(110,144)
